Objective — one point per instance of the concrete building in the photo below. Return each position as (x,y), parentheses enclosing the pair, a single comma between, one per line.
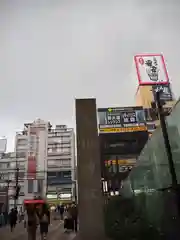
(145,97)
(8,165)
(49,159)
(61,164)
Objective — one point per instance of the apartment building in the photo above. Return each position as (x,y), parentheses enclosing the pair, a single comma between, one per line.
(8,165)
(49,160)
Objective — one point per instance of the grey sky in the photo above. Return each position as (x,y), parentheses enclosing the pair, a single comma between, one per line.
(52,51)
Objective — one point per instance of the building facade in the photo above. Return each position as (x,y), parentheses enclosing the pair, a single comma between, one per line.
(8,165)
(122,134)
(49,159)
(61,164)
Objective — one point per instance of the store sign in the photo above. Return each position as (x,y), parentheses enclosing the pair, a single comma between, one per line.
(31,170)
(164,92)
(120,162)
(123,130)
(128,119)
(151,69)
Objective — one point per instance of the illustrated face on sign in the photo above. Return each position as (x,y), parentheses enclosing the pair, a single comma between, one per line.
(151,69)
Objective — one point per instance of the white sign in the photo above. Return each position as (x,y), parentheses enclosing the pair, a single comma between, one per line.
(151,69)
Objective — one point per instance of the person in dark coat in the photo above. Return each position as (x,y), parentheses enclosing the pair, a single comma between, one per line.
(74,215)
(12,219)
(61,211)
(32,222)
(44,221)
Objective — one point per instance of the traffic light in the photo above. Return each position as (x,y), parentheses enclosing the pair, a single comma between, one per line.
(17,191)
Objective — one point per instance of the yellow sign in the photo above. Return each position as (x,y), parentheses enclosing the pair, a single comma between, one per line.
(129,129)
(121,162)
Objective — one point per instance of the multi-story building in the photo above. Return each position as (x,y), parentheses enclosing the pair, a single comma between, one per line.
(49,160)
(8,165)
(122,134)
(61,163)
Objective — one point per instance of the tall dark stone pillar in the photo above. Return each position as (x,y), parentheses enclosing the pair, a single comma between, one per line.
(90,200)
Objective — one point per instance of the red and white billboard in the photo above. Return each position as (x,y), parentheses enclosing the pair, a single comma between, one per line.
(31,169)
(151,69)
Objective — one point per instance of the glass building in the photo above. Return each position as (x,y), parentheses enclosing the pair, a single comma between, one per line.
(151,182)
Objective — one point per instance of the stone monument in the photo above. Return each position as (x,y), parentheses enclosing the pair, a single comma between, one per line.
(90,201)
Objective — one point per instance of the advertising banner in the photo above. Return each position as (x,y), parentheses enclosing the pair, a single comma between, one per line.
(165,92)
(151,69)
(31,170)
(119,165)
(120,120)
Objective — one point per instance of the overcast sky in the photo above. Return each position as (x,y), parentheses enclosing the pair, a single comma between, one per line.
(53,51)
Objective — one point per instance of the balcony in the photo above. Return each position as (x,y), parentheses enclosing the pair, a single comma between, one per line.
(59,156)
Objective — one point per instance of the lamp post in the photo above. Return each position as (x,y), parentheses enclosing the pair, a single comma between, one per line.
(172,171)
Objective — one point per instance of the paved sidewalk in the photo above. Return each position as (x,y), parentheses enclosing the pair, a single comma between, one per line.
(21,232)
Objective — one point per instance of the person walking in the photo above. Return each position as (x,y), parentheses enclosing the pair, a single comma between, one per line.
(44,221)
(61,209)
(12,219)
(74,215)
(32,222)
(68,226)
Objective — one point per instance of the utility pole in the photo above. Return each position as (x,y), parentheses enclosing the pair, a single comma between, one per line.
(172,171)
(7,195)
(17,188)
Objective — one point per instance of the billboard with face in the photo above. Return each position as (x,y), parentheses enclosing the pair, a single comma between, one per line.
(151,69)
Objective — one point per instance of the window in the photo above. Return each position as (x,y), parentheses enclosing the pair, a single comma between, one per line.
(66,162)
(66,139)
(65,149)
(49,150)
(21,175)
(66,174)
(51,162)
(21,154)
(51,174)
(30,186)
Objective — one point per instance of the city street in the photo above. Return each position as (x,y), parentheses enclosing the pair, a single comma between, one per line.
(56,231)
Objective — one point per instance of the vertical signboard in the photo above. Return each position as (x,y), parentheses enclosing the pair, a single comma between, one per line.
(151,69)
(31,169)
(165,92)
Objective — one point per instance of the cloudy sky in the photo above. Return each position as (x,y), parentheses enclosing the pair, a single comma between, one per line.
(53,51)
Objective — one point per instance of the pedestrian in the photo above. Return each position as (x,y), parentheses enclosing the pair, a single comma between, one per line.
(44,221)
(68,224)
(74,215)
(32,222)
(61,211)
(12,219)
